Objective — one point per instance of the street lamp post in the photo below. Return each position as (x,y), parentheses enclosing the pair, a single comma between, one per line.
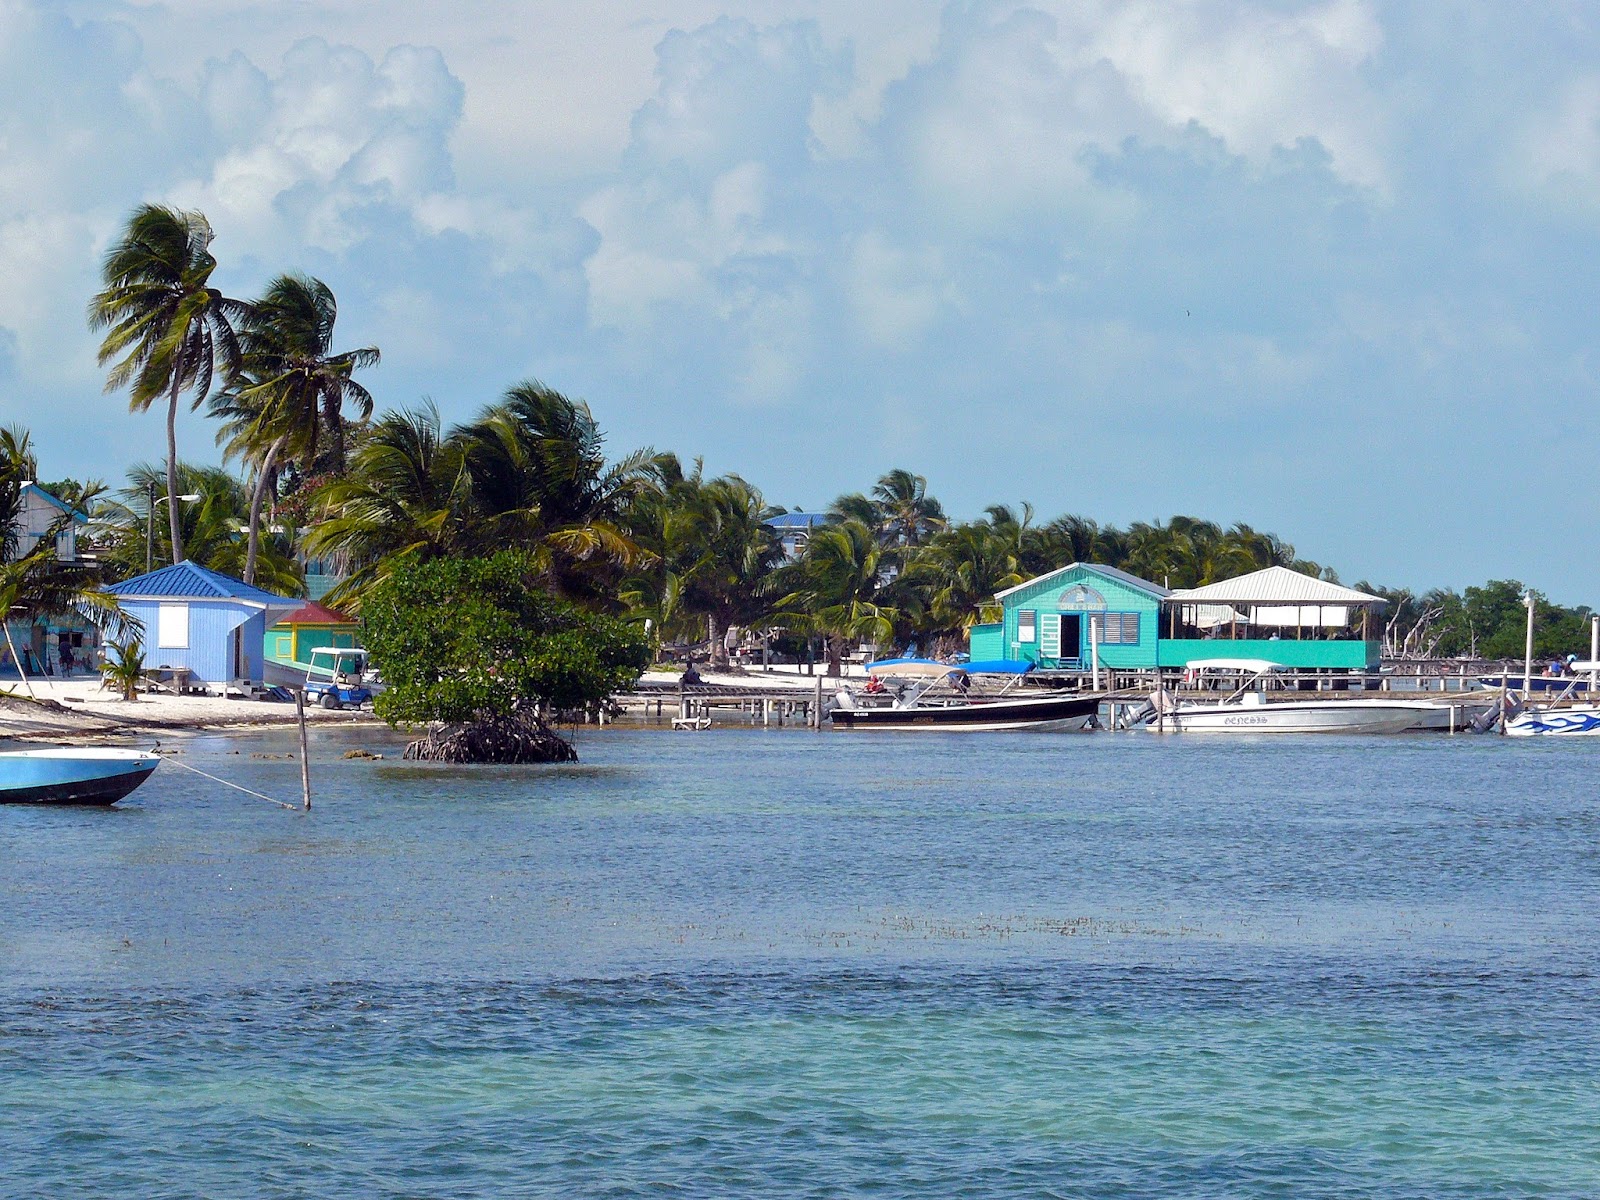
(151,500)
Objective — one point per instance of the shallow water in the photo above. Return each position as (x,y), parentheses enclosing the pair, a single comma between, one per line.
(762,963)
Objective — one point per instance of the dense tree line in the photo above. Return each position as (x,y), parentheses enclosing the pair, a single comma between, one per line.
(643,536)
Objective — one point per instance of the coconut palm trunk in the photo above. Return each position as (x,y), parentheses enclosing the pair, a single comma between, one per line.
(258,496)
(172,465)
(718,657)
(835,656)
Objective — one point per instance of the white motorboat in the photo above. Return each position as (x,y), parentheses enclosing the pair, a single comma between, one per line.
(1560,717)
(904,694)
(71,775)
(1458,712)
(1248,710)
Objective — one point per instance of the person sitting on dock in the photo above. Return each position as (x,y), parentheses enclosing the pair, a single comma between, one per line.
(691,677)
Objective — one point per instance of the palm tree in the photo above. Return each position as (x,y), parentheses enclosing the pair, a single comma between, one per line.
(835,589)
(167,328)
(538,479)
(290,384)
(211,526)
(907,514)
(732,554)
(17,467)
(961,569)
(1066,540)
(403,498)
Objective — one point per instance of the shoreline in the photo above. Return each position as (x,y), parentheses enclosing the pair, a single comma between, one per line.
(79,707)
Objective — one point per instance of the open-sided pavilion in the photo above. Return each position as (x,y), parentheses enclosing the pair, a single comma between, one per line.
(1295,620)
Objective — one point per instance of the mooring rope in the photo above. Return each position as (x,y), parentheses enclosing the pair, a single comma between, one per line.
(235,786)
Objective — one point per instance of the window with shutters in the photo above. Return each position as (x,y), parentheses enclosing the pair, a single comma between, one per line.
(1118,629)
(1027,626)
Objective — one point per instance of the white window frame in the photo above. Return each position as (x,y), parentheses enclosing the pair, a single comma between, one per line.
(1027,626)
(172,627)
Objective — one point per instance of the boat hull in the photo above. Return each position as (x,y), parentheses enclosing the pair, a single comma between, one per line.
(1581,720)
(90,777)
(1332,716)
(1458,715)
(1042,713)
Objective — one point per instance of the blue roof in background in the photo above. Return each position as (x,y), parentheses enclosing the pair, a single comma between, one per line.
(190,581)
(35,489)
(798,520)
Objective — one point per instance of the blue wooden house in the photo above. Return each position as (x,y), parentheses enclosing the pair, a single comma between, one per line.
(210,624)
(1060,620)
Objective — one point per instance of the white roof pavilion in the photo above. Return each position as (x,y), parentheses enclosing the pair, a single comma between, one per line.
(1276,597)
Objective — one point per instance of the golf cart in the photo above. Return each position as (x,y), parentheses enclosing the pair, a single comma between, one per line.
(337,678)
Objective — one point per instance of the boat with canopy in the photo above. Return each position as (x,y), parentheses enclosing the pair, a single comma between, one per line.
(921,694)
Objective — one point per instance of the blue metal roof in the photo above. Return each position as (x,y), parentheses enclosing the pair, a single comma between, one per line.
(190,581)
(49,498)
(798,520)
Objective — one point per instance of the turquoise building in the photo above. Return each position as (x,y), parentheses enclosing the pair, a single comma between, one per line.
(1066,619)
(1058,620)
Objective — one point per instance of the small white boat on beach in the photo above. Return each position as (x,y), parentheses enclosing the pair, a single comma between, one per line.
(72,775)
(1248,710)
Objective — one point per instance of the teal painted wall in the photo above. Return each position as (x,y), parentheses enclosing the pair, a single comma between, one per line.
(1307,655)
(1052,596)
(985,643)
(289,644)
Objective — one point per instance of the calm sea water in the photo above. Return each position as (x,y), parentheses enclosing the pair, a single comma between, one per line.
(752,963)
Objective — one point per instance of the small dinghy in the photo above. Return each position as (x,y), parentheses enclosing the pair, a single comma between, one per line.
(69,775)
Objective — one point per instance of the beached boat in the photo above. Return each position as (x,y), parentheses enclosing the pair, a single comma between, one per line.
(919,694)
(72,775)
(1248,710)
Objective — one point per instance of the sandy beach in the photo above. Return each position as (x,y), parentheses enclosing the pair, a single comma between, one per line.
(79,706)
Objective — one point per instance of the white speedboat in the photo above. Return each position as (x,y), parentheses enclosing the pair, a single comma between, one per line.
(1560,717)
(70,775)
(905,694)
(1458,712)
(1248,710)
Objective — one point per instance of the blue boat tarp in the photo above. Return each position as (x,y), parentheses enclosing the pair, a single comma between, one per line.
(996,666)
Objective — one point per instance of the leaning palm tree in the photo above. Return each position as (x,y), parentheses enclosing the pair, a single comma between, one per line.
(291,385)
(168,331)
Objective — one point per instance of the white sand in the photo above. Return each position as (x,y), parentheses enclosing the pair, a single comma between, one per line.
(84,694)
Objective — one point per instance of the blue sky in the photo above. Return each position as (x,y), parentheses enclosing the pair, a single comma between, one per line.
(1328,268)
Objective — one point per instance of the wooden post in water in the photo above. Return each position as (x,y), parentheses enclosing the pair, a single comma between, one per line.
(816,706)
(305,761)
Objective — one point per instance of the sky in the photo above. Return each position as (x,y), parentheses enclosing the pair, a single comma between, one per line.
(1329,268)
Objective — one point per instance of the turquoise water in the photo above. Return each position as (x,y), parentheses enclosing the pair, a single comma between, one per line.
(780,963)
